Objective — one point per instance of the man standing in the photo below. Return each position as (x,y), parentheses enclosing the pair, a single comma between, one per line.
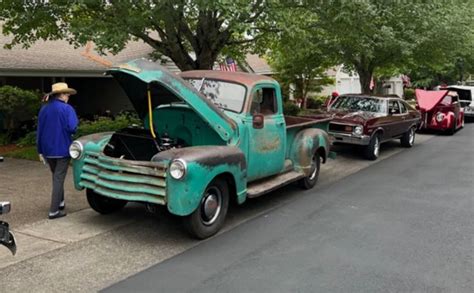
(57,122)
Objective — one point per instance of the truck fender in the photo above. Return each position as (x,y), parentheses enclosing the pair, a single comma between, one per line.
(204,163)
(305,144)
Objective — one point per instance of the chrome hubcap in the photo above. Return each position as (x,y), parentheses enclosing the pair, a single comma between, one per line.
(314,167)
(376,147)
(211,206)
(412,136)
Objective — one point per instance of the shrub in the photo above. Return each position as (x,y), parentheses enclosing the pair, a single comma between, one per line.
(290,109)
(17,104)
(103,124)
(28,140)
(315,102)
(409,94)
(5,138)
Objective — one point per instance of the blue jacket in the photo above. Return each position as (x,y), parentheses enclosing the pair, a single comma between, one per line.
(57,122)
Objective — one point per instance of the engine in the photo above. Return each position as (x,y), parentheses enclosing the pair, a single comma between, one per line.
(138,144)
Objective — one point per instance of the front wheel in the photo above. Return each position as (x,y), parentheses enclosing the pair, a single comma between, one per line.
(372,150)
(103,204)
(408,138)
(210,215)
(309,181)
(452,130)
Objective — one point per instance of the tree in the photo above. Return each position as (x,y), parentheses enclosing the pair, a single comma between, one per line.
(192,33)
(15,102)
(298,54)
(370,36)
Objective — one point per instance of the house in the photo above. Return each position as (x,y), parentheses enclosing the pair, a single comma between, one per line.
(47,62)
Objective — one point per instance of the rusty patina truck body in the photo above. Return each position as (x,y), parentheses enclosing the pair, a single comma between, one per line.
(208,137)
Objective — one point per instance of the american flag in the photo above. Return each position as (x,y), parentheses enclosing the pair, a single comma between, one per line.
(228,65)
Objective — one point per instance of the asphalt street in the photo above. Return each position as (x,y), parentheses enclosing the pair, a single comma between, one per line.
(405,224)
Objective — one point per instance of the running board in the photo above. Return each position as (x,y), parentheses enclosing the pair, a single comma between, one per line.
(261,187)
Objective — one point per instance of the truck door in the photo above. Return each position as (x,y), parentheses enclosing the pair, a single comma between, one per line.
(267,145)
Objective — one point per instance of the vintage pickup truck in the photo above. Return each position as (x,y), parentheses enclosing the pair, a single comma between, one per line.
(209,137)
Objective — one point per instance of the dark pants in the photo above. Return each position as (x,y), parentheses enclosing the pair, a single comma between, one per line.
(59,169)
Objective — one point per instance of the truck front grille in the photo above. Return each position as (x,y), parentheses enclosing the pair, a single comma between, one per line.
(124,179)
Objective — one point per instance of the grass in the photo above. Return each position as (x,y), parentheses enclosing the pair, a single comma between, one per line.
(25,153)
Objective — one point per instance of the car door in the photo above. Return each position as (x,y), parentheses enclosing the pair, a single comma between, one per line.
(266,145)
(405,115)
(396,118)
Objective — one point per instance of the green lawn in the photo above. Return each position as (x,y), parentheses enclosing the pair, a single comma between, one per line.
(25,153)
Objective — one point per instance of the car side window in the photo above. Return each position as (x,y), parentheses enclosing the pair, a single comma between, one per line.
(393,107)
(264,102)
(403,108)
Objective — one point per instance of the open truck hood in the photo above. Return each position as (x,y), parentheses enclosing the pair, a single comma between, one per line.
(427,100)
(136,76)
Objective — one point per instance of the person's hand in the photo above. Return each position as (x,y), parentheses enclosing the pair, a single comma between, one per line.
(41,159)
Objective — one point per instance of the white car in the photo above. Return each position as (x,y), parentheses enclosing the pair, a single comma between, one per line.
(466,97)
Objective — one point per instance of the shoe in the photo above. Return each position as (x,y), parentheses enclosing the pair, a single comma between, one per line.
(62,205)
(59,214)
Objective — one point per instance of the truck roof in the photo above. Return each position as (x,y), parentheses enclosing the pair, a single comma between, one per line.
(240,77)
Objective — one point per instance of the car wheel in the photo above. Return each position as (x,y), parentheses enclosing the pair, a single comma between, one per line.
(210,215)
(103,204)
(372,150)
(310,181)
(408,138)
(452,130)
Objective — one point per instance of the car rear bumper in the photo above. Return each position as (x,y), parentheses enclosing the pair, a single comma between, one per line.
(348,138)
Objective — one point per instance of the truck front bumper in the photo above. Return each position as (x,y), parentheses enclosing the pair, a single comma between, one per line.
(348,138)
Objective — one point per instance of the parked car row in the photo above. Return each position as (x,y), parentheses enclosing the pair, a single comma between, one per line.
(212,137)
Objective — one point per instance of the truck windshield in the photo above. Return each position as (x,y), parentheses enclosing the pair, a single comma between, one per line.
(225,95)
(358,103)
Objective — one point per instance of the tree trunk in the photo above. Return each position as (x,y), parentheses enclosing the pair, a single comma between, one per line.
(365,76)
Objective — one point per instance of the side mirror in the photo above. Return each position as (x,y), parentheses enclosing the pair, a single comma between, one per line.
(258,121)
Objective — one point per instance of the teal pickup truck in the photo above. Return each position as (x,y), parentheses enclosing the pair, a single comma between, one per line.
(208,137)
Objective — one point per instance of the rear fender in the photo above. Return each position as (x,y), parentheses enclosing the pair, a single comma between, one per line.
(204,163)
(305,144)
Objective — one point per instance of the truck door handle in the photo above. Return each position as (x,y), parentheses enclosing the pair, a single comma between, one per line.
(281,123)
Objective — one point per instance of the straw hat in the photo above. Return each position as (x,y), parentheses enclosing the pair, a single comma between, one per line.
(60,88)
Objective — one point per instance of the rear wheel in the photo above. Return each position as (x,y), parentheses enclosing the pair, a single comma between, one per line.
(210,215)
(408,138)
(102,204)
(372,150)
(310,181)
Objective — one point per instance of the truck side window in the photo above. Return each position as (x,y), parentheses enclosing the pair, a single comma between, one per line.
(264,102)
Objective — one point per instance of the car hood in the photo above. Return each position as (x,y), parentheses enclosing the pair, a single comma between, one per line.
(353,117)
(427,100)
(137,76)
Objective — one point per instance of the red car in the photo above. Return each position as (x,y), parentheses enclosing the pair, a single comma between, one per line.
(440,110)
(369,121)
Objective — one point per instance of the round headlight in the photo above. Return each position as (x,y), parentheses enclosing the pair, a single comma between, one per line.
(178,169)
(439,117)
(358,130)
(76,149)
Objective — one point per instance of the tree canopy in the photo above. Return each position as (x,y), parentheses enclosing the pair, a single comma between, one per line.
(192,33)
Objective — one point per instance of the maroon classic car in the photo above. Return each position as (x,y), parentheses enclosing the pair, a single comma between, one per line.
(371,120)
(440,110)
